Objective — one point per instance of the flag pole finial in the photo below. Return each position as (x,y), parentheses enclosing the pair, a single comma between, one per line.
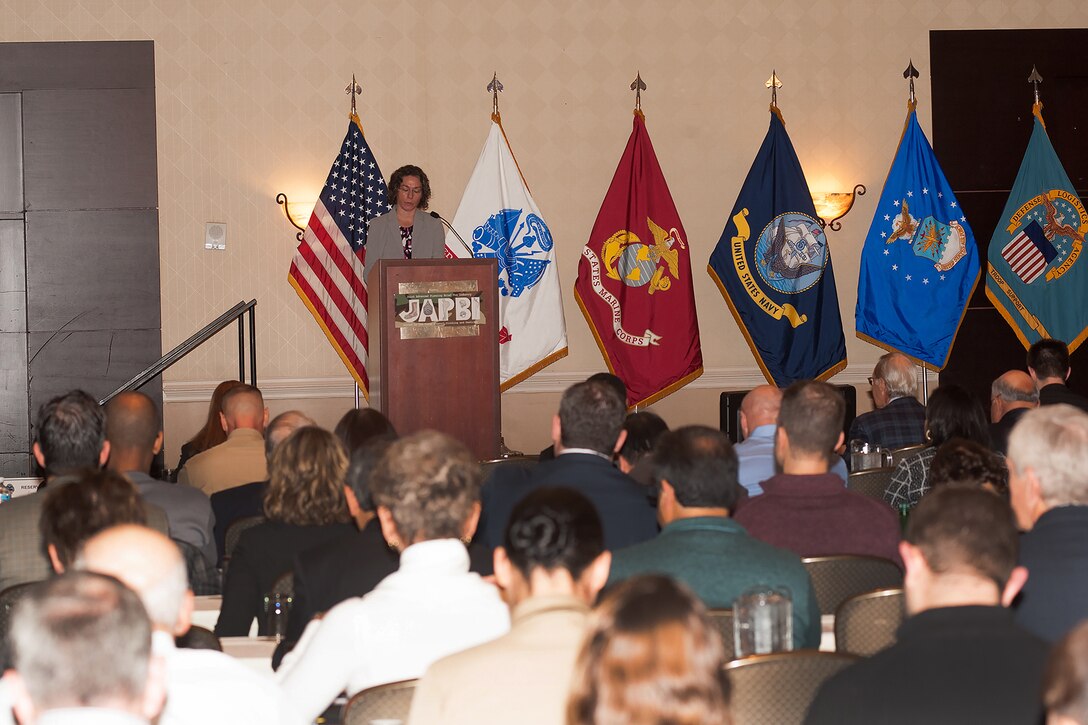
(1035,79)
(638,86)
(774,84)
(910,74)
(494,88)
(354,89)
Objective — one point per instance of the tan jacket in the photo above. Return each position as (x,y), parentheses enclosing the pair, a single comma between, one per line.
(522,677)
(238,460)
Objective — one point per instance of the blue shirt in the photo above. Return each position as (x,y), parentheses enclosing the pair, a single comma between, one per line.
(756,454)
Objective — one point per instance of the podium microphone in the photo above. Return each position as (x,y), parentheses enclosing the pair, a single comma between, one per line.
(449,226)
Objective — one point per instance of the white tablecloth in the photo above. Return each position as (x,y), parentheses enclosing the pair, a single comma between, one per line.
(253,652)
(206,613)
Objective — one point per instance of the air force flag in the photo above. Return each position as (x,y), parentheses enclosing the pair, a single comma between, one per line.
(920,263)
(499,219)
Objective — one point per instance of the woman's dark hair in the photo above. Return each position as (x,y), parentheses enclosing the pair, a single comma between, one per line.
(643,430)
(651,656)
(398,177)
(360,425)
(952,412)
(74,513)
(965,462)
(554,528)
(212,434)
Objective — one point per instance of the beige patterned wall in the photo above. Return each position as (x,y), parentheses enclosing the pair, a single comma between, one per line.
(251,102)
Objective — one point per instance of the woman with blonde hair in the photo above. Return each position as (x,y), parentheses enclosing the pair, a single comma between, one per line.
(304,505)
(651,656)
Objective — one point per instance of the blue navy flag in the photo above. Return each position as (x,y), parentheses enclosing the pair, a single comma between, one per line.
(920,264)
(773,267)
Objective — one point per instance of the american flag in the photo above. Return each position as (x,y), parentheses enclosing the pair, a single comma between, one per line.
(1029,253)
(327,270)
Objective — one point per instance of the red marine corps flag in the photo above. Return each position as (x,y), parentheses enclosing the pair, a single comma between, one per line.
(634,279)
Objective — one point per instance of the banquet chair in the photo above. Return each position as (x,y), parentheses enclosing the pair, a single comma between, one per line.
(837,578)
(8,599)
(871,483)
(899,454)
(867,623)
(284,584)
(778,688)
(199,638)
(234,533)
(723,622)
(389,702)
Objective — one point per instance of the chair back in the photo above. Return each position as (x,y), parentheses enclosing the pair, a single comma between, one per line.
(871,483)
(837,578)
(199,638)
(234,533)
(899,454)
(284,584)
(867,623)
(8,599)
(384,702)
(723,622)
(778,688)
(203,577)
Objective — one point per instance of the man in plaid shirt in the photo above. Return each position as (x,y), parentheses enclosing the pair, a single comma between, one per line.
(899,419)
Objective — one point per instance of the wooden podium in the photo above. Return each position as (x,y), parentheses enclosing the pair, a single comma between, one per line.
(434,348)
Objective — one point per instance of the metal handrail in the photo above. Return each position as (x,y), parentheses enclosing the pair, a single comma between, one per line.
(196,340)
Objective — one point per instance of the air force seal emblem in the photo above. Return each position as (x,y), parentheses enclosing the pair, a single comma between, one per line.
(520,243)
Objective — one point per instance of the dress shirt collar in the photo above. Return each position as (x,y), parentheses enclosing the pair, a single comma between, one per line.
(437,555)
(583,451)
(88,716)
(162,643)
(703,523)
(765,432)
(245,434)
(1056,516)
(545,604)
(812,484)
(943,622)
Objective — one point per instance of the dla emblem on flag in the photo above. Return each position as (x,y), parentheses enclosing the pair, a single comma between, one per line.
(520,243)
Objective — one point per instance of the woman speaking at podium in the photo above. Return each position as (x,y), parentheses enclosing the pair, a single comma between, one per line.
(406,232)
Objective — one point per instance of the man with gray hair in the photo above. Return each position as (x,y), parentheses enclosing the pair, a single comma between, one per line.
(1011,396)
(1048,486)
(82,645)
(203,686)
(899,419)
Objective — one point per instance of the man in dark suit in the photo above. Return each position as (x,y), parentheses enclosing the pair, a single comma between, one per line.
(1011,395)
(1048,364)
(587,432)
(899,419)
(1048,486)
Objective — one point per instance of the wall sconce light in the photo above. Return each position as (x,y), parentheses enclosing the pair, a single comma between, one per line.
(297,212)
(834,205)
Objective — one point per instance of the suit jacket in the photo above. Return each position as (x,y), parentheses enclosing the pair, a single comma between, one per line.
(22,554)
(999,431)
(383,239)
(1055,553)
(1057,393)
(625,508)
(236,503)
(264,553)
(188,511)
(240,459)
(902,422)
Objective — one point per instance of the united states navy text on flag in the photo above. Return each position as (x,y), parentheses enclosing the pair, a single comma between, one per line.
(1036,279)
(920,264)
(773,266)
(327,270)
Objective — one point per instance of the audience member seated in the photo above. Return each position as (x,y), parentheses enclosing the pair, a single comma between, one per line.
(805,508)
(305,507)
(1048,365)
(359,426)
(612,381)
(587,431)
(245,501)
(203,686)
(71,432)
(966,463)
(758,422)
(951,413)
(240,458)
(1065,684)
(1048,486)
(212,434)
(1011,395)
(899,419)
(643,429)
(651,656)
(959,657)
(82,645)
(551,566)
(426,488)
(135,437)
(701,546)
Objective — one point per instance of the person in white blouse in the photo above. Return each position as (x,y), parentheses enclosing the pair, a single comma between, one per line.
(427,489)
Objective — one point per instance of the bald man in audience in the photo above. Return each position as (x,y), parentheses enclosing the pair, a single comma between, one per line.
(899,419)
(239,459)
(203,686)
(134,432)
(1048,486)
(1011,396)
(758,423)
(959,657)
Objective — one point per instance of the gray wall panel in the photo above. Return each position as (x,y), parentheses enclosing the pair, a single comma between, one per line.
(106,64)
(15,464)
(92,270)
(11,153)
(90,149)
(14,416)
(12,276)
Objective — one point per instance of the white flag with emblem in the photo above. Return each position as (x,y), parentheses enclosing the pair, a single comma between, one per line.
(498,219)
